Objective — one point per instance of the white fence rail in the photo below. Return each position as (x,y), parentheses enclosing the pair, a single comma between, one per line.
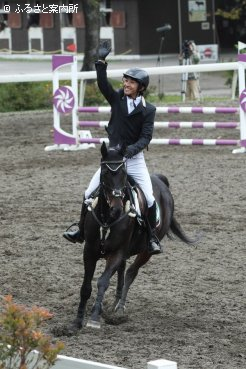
(65,362)
(83,76)
(179,69)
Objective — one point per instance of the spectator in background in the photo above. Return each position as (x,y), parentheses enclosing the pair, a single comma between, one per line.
(190,55)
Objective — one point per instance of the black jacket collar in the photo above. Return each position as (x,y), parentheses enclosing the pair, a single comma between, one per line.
(123,103)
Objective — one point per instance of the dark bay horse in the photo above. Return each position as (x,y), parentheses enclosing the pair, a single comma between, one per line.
(113,232)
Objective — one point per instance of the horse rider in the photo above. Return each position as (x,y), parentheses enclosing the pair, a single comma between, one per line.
(131,124)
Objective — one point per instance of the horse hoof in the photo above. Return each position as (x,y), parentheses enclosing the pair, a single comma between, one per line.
(93,324)
(119,308)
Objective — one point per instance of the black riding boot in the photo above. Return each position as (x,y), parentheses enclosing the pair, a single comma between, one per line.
(154,244)
(77,236)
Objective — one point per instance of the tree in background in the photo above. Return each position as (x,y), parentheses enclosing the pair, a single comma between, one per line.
(91,9)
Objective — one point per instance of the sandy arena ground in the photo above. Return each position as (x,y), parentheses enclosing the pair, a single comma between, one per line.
(187,305)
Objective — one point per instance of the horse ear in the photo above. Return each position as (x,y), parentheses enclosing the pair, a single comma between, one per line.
(104,149)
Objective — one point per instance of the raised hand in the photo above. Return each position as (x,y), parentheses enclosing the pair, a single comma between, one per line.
(103,50)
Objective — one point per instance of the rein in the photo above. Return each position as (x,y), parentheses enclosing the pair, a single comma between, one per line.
(105,227)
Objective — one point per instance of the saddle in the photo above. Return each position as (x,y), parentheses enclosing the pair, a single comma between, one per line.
(137,198)
(139,203)
(136,202)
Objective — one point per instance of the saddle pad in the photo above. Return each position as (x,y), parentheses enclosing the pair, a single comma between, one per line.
(137,207)
(158,220)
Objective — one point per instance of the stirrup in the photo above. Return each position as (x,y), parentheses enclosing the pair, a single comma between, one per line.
(155,250)
(72,225)
(89,202)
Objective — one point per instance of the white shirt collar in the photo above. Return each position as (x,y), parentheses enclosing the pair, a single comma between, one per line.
(131,102)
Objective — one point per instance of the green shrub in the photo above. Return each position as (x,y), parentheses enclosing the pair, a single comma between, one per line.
(93,96)
(24,96)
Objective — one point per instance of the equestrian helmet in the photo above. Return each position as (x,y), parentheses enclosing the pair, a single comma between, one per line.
(139,75)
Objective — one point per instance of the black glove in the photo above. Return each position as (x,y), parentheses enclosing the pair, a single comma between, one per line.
(103,50)
(130,152)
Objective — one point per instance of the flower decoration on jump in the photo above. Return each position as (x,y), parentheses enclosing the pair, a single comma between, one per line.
(64,99)
(243,100)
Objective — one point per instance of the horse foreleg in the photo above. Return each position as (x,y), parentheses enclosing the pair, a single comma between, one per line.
(112,264)
(130,276)
(120,282)
(85,291)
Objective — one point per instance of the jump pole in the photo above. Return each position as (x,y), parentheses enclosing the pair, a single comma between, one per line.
(173,124)
(175,141)
(209,125)
(168,110)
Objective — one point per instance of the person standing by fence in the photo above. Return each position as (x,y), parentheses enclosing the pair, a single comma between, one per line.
(190,81)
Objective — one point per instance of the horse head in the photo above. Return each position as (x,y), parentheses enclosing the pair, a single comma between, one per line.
(113,178)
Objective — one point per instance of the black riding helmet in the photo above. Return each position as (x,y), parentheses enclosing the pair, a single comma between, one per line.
(139,75)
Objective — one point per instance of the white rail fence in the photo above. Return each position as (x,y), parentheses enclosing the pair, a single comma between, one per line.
(179,69)
(64,362)
(84,76)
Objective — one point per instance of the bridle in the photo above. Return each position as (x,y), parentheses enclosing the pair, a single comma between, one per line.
(115,193)
(118,193)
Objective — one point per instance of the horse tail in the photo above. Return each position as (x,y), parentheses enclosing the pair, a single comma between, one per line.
(175,227)
(163,179)
(179,232)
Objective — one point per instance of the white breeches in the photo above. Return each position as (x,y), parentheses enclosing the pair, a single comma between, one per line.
(137,168)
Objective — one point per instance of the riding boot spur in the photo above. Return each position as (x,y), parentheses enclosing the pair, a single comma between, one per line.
(154,243)
(78,235)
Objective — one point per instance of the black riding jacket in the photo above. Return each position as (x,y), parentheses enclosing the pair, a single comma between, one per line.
(135,128)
